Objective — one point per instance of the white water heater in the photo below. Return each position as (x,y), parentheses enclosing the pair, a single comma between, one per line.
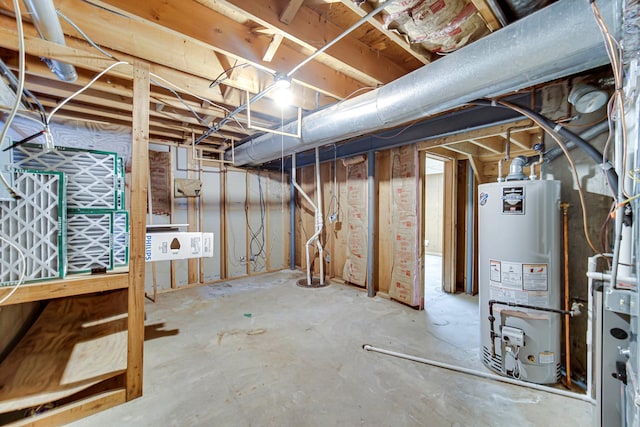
(519,258)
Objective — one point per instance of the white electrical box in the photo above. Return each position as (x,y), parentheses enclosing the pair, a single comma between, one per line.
(174,245)
(513,336)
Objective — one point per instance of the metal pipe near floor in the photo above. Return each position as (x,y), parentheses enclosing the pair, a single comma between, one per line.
(565,242)
(481,374)
(371,285)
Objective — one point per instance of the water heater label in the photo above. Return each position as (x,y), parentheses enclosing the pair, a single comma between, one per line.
(513,200)
(512,275)
(546,357)
(535,277)
(494,271)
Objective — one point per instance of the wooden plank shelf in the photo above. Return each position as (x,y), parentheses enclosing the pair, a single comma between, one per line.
(75,343)
(73,285)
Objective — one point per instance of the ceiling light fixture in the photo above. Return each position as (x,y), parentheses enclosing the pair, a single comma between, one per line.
(282,90)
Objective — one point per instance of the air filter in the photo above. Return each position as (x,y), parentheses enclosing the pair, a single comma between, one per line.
(92,176)
(120,238)
(89,247)
(35,224)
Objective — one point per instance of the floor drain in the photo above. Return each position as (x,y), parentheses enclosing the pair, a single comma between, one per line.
(315,283)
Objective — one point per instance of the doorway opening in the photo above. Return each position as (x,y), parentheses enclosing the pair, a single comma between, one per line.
(433,225)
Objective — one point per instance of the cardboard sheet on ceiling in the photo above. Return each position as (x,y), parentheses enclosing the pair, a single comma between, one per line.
(439,26)
(355,266)
(405,277)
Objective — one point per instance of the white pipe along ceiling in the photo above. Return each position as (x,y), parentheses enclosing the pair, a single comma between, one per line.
(560,40)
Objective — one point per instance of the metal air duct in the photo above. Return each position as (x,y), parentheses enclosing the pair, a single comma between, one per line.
(557,41)
(45,19)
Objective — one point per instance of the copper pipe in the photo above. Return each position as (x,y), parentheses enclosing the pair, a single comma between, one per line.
(567,342)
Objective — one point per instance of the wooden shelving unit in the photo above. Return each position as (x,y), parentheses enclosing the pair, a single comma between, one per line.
(85,350)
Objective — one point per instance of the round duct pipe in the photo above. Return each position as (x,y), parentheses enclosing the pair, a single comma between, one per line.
(44,17)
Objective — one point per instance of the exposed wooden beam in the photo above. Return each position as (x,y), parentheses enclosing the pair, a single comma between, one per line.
(492,143)
(290,11)
(138,213)
(312,31)
(487,14)
(476,165)
(499,130)
(465,148)
(273,47)
(229,37)
(522,140)
(395,38)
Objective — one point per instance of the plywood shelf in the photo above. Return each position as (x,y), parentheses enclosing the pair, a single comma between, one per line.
(74,285)
(76,343)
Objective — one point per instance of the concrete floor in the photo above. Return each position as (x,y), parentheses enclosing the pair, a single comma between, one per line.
(265,352)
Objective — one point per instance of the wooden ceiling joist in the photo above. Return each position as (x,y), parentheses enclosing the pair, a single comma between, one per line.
(230,38)
(290,11)
(312,31)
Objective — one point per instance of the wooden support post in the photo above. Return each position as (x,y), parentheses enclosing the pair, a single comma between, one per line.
(172,208)
(192,219)
(449,231)
(139,168)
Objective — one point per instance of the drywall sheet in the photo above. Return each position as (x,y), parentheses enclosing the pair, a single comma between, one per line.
(236,193)
(210,205)
(160,177)
(355,266)
(257,221)
(404,225)
(278,226)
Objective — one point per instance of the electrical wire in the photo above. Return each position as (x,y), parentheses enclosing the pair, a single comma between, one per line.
(23,269)
(84,36)
(26,94)
(85,87)
(217,80)
(21,76)
(257,237)
(153,77)
(614,53)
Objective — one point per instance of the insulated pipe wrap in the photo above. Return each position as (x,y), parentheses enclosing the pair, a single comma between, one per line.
(559,40)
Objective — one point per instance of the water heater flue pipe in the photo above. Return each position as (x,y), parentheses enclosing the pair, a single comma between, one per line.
(44,17)
(480,374)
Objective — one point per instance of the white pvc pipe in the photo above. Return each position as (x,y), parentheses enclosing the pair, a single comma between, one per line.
(44,17)
(481,374)
(319,223)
